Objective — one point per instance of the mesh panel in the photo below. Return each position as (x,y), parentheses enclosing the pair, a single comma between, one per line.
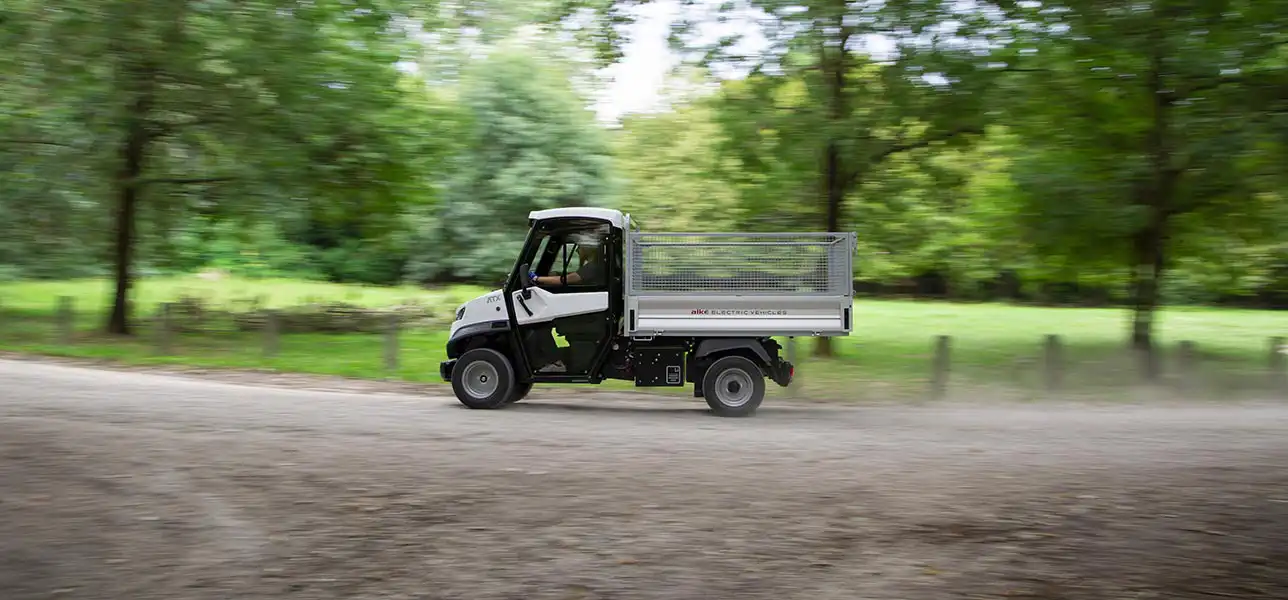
(737,263)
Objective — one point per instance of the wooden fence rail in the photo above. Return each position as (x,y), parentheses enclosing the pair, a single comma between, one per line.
(1051,358)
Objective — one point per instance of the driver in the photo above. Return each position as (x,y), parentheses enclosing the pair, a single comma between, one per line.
(591,271)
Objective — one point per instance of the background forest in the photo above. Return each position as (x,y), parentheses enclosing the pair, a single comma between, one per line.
(1069,152)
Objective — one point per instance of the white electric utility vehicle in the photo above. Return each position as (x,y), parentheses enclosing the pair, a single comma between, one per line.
(659,309)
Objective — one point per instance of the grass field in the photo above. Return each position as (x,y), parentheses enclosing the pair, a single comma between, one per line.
(887,356)
(94,295)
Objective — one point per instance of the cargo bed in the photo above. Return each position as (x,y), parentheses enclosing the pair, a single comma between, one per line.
(739,284)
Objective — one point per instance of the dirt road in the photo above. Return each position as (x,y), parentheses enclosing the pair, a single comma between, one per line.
(120,485)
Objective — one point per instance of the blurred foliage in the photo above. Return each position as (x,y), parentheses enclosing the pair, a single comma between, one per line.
(1157,140)
(247,111)
(530,144)
(1079,151)
(674,178)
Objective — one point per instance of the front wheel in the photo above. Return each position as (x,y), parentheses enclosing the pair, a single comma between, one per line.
(483,379)
(520,392)
(733,387)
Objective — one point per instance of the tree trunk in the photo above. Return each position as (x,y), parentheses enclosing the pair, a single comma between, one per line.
(133,153)
(834,192)
(835,178)
(1148,271)
(1147,276)
(1149,244)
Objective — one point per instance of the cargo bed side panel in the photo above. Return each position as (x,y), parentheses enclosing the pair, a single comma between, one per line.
(745,316)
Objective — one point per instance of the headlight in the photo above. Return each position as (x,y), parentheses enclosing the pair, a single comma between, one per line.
(460,312)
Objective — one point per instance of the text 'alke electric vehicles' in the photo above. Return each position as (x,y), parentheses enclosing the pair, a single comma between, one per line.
(659,309)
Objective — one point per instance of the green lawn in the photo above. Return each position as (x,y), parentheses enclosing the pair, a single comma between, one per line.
(887,357)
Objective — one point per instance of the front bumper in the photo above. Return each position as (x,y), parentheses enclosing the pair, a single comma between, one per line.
(445,369)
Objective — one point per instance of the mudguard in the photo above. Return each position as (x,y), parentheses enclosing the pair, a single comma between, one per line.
(468,332)
(712,346)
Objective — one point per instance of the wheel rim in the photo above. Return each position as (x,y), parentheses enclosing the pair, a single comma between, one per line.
(480,379)
(734,387)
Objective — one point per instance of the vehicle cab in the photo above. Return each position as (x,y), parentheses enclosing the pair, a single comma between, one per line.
(560,304)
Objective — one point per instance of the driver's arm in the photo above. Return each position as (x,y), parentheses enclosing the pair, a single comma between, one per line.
(554,280)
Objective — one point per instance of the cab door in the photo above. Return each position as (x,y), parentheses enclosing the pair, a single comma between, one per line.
(563,325)
(537,305)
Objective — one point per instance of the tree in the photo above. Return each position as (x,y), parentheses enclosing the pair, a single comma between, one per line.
(1153,122)
(255,107)
(829,109)
(530,144)
(942,222)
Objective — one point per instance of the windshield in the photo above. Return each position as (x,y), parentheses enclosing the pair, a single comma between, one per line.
(567,246)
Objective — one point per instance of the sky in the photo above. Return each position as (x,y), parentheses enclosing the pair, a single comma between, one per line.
(637,80)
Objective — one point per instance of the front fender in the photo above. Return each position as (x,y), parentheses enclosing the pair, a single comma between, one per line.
(459,338)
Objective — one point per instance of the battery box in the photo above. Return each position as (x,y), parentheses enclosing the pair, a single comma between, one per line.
(659,366)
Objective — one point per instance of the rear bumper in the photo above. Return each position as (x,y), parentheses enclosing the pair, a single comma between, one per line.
(445,369)
(783,373)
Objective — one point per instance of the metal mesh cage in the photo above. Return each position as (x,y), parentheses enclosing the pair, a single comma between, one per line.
(741,263)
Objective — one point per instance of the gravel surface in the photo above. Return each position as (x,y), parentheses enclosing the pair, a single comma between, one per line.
(132,486)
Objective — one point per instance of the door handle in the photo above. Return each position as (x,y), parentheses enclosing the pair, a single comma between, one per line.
(523,303)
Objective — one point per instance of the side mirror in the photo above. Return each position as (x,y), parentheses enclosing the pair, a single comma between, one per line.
(524,282)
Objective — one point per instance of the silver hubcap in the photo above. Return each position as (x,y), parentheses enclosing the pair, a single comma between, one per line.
(734,387)
(480,379)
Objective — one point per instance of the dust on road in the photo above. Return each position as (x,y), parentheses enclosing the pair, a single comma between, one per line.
(120,485)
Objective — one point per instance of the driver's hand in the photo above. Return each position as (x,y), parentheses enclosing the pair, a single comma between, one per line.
(532,277)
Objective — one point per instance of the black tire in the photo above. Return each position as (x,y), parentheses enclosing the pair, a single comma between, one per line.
(483,379)
(520,392)
(733,387)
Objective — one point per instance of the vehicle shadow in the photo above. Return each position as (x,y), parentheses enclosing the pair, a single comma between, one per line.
(653,407)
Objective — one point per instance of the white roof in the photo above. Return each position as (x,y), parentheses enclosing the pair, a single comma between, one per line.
(604,214)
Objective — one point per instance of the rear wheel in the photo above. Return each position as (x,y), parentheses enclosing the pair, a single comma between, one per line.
(733,387)
(483,378)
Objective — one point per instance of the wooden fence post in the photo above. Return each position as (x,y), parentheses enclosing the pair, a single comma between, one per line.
(272,330)
(1053,363)
(1187,363)
(1279,364)
(939,374)
(66,319)
(391,343)
(1147,363)
(165,331)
